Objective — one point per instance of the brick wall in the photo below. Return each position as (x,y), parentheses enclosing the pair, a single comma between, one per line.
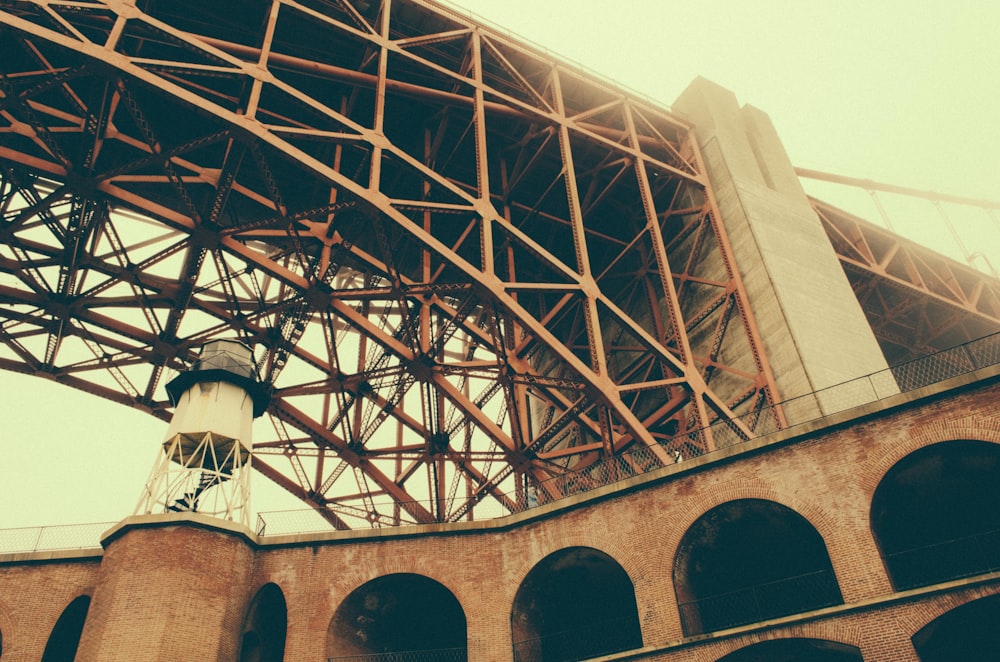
(32,597)
(181,591)
(176,592)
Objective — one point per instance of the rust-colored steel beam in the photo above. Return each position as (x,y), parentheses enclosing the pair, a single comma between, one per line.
(871,185)
(468,268)
(917,301)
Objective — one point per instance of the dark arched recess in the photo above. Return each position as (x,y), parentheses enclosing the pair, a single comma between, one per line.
(934,514)
(575,604)
(399,613)
(263,635)
(968,633)
(65,636)
(747,561)
(795,650)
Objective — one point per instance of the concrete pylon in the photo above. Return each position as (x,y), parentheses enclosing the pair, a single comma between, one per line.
(813,328)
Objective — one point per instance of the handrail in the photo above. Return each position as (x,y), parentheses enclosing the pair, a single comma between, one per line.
(909,376)
(873,387)
(53,538)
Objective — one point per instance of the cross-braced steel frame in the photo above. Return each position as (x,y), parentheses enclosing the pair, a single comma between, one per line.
(917,301)
(466,266)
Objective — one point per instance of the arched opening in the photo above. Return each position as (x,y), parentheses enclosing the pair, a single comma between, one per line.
(934,514)
(795,650)
(748,561)
(263,638)
(968,633)
(65,636)
(575,604)
(409,615)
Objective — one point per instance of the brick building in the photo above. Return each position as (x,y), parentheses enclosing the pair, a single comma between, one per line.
(868,534)
(852,518)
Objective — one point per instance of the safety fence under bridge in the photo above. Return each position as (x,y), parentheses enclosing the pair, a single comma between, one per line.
(918,373)
(53,538)
(925,371)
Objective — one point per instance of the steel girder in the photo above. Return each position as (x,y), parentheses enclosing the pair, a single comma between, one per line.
(467,267)
(917,301)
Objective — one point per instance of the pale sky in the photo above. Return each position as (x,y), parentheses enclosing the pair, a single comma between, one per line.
(904,92)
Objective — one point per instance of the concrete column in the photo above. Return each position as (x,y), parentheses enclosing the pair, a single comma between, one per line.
(814,330)
(171,587)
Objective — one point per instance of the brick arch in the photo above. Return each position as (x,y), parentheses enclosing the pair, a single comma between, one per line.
(708,566)
(828,630)
(271,642)
(629,557)
(872,470)
(59,645)
(912,621)
(910,523)
(556,535)
(260,582)
(666,539)
(295,609)
(594,597)
(74,595)
(379,566)
(939,431)
(383,617)
(852,650)
(373,561)
(697,505)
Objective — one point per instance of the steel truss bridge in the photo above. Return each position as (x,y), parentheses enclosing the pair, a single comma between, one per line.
(466,266)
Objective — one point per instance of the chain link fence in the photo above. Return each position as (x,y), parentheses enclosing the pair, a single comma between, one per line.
(52,538)
(761,602)
(945,561)
(722,435)
(593,639)
(431,655)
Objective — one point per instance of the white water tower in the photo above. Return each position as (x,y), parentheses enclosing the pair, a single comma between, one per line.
(204,464)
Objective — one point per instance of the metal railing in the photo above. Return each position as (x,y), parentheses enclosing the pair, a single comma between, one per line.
(909,376)
(586,641)
(761,602)
(432,655)
(52,538)
(945,561)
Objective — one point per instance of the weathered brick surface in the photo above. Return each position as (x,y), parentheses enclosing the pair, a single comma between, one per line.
(181,592)
(170,593)
(33,596)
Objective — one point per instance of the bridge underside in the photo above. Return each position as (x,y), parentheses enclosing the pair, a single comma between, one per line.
(467,268)
(917,302)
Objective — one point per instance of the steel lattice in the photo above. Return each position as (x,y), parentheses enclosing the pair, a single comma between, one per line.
(917,302)
(466,266)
